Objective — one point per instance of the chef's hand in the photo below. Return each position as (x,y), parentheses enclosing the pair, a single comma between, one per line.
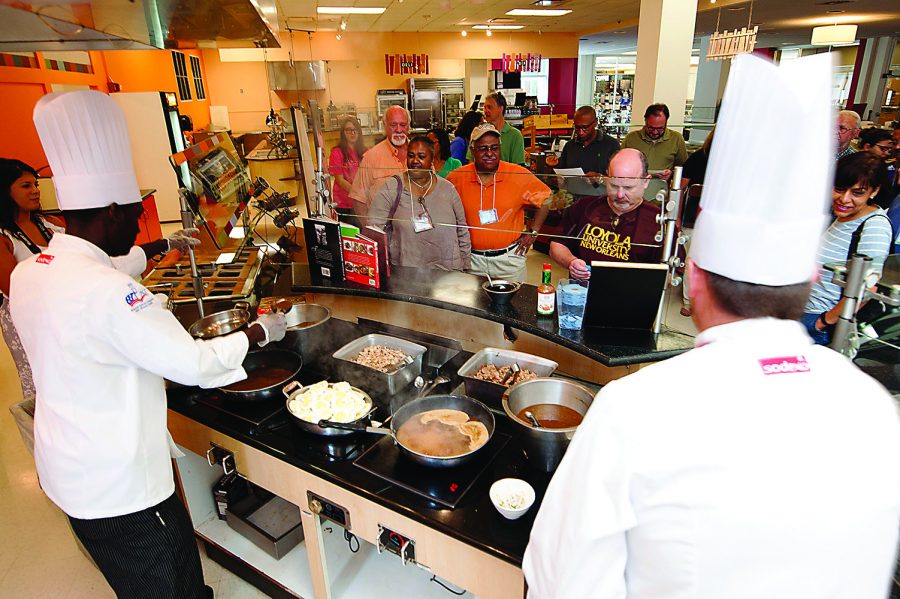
(523,243)
(578,269)
(664,175)
(593,178)
(273,325)
(183,239)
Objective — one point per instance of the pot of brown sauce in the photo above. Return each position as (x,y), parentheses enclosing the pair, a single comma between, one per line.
(558,406)
(440,431)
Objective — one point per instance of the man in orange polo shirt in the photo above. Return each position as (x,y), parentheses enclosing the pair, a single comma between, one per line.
(383,161)
(494,195)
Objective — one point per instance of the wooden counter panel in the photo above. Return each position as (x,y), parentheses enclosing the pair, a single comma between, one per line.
(448,558)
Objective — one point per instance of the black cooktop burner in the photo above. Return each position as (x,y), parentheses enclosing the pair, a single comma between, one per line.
(254,412)
(442,485)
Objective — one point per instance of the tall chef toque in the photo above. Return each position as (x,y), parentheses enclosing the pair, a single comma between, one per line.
(85,138)
(767,190)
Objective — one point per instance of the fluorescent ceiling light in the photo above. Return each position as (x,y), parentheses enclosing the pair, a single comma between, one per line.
(833,35)
(498,27)
(537,12)
(349,10)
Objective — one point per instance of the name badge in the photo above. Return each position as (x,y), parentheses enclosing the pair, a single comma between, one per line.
(488,217)
(422,223)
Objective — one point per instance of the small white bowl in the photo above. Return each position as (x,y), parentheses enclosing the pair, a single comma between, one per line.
(506,487)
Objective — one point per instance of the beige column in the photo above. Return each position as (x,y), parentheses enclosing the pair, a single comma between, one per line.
(665,37)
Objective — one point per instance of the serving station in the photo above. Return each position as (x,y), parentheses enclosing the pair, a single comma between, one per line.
(372,519)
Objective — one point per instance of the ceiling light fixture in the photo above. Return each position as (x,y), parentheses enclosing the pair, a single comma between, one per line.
(497,27)
(338,37)
(464,33)
(489,33)
(343,24)
(349,10)
(833,35)
(538,12)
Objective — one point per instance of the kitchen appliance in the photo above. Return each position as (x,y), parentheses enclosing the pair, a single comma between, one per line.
(444,486)
(294,389)
(374,380)
(475,410)
(490,392)
(384,99)
(545,447)
(233,279)
(221,323)
(269,365)
(155,133)
(436,103)
(270,522)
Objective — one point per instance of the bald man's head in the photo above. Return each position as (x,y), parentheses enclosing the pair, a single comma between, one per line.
(396,125)
(627,180)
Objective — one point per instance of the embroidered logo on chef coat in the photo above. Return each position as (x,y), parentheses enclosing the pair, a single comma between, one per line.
(136,299)
(44,259)
(785,365)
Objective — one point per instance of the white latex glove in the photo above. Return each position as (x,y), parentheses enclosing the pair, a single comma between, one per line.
(183,239)
(274,325)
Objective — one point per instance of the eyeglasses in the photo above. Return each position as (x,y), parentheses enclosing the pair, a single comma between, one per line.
(844,129)
(887,149)
(484,149)
(649,128)
(351,130)
(585,127)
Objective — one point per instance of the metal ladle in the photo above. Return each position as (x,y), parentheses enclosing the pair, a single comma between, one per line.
(424,389)
(533,419)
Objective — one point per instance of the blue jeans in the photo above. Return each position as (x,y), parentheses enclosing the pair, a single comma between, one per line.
(822,337)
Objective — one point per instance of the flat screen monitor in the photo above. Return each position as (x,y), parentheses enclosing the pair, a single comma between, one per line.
(520,98)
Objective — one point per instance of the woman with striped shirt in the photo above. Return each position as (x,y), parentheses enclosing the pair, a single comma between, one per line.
(857,180)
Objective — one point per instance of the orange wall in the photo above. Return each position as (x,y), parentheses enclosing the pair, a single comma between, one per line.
(134,70)
(151,71)
(20,89)
(356,66)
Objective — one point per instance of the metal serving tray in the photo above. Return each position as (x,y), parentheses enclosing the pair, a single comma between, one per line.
(272,523)
(374,381)
(492,393)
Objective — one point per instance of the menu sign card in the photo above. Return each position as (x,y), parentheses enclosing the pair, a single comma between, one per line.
(323,248)
(361,261)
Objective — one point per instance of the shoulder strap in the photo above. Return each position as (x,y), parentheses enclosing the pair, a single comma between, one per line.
(19,234)
(857,234)
(396,199)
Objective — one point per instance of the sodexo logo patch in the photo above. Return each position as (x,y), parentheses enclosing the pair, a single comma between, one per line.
(784,365)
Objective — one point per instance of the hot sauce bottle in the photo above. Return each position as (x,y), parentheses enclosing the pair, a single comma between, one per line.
(546,294)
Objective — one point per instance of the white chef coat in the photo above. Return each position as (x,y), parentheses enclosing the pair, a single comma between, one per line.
(99,345)
(755,465)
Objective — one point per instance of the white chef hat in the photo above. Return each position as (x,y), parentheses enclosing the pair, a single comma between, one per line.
(85,138)
(767,189)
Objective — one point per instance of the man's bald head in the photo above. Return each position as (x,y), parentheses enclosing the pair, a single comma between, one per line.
(396,125)
(627,180)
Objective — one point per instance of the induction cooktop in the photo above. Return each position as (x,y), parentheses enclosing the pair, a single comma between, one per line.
(445,486)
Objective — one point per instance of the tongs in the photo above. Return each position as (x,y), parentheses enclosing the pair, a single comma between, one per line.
(510,377)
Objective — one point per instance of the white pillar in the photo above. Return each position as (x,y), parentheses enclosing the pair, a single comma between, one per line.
(711,78)
(584,86)
(476,79)
(665,37)
(875,63)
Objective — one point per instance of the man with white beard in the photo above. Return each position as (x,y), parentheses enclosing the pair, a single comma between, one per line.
(383,161)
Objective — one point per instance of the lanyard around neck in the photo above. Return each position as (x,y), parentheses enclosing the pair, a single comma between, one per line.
(481,195)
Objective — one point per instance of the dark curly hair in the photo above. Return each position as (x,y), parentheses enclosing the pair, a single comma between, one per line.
(443,142)
(10,171)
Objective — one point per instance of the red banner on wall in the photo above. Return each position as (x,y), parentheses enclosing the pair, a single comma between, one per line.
(516,63)
(406,64)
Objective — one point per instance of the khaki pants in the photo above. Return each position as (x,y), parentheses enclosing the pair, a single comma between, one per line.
(505,266)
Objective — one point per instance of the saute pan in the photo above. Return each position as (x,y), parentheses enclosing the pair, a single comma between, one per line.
(475,409)
(268,370)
